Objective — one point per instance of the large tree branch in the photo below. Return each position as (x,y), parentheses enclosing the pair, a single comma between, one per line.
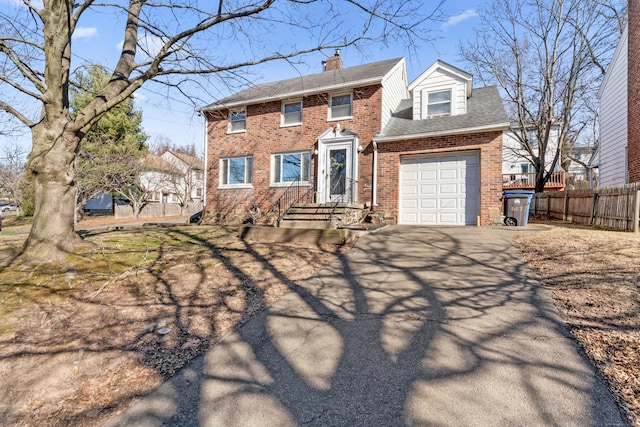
(22,66)
(17,114)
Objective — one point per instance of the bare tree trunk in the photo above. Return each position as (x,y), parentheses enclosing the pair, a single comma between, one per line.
(52,234)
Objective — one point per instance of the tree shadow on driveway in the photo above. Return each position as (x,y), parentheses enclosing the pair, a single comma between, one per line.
(413,326)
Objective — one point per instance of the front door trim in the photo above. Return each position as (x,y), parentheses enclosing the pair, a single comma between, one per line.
(335,139)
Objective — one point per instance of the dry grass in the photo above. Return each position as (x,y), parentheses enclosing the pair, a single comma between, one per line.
(594,276)
(80,341)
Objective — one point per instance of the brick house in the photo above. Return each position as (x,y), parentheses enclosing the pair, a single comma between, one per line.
(429,152)
(619,141)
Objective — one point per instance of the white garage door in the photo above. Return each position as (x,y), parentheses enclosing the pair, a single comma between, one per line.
(440,190)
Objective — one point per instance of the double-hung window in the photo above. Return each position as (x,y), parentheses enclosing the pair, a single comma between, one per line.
(236,171)
(289,167)
(291,113)
(340,106)
(237,120)
(439,103)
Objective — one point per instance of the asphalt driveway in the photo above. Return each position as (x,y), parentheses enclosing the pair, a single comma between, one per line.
(413,327)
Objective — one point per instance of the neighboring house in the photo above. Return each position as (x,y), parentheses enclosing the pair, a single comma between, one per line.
(429,152)
(189,185)
(156,179)
(579,166)
(517,170)
(619,94)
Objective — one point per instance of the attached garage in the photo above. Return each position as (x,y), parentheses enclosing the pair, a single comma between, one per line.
(440,189)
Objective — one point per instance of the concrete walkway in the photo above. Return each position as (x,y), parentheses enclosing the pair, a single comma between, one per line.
(413,327)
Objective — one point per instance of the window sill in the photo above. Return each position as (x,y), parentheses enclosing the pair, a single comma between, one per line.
(288,184)
(335,119)
(235,187)
(289,125)
(236,131)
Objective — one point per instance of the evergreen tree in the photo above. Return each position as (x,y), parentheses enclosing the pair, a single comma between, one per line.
(110,154)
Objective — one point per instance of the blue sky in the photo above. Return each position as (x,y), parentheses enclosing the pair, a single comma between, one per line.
(171,116)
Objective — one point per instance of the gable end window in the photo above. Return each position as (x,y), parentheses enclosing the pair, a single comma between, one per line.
(290,167)
(237,121)
(236,171)
(340,106)
(291,113)
(439,103)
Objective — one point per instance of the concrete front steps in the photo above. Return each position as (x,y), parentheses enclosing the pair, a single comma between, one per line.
(322,215)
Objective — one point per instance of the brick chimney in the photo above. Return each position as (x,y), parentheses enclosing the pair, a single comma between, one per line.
(633,92)
(334,62)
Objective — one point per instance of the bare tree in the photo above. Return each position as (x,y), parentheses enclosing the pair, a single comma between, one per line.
(548,58)
(12,160)
(164,42)
(162,144)
(123,179)
(190,178)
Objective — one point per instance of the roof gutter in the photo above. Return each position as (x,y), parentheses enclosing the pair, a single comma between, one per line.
(488,128)
(297,94)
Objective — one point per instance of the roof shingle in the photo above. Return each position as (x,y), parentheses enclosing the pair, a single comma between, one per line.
(307,85)
(484,109)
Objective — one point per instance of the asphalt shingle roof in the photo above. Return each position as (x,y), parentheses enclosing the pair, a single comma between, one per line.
(484,109)
(306,85)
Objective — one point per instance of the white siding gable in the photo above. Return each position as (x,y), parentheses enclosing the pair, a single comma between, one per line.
(613,119)
(439,77)
(394,90)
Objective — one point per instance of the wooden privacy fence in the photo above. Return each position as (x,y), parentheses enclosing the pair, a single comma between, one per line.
(610,207)
(155,210)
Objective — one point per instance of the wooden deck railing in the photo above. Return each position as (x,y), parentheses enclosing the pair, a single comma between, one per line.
(527,181)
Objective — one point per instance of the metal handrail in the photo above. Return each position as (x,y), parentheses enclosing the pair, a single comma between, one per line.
(292,195)
(349,187)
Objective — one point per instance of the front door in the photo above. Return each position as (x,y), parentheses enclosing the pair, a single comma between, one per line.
(337,174)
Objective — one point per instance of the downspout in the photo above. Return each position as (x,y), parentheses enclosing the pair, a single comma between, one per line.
(206,145)
(374,201)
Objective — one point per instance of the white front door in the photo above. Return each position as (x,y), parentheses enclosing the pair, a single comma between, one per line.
(335,174)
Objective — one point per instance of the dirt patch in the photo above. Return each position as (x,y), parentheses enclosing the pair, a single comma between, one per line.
(594,277)
(80,342)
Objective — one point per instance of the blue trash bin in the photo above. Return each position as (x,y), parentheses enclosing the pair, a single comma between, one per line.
(516,207)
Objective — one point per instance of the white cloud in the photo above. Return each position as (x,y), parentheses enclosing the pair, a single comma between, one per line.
(456,19)
(84,33)
(139,97)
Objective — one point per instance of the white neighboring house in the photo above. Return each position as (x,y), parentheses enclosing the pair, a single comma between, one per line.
(613,141)
(517,169)
(174,178)
(190,186)
(577,170)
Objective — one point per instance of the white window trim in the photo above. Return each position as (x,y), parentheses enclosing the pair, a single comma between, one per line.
(293,101)
(426,101)
(288,183)
(237,110)
(329,117)
(221,171)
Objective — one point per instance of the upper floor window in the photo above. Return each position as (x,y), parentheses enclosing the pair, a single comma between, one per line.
(291,113)
(238,120)
(291,167)
(236,171)
(340,106)
(439,103)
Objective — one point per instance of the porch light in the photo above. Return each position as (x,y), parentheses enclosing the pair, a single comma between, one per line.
(360,148)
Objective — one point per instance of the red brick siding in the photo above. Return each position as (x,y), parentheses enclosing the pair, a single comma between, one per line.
(489,144)
(264,136)
(633,99)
